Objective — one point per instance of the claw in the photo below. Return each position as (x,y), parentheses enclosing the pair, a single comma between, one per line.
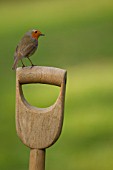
(32,65)
(23,66)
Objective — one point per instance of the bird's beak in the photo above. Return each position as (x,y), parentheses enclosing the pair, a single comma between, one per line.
(42,34)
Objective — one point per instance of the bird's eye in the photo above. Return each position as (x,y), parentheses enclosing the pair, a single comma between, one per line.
(35,32)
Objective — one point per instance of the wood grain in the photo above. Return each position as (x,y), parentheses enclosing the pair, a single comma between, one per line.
(39,128)
(37,159)
(39,74)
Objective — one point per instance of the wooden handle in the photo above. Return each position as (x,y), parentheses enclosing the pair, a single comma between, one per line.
(39,74)
(39,128)
(37,159)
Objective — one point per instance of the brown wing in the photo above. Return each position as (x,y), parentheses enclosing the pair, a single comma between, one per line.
(15,54)
(29,50)
(26,47)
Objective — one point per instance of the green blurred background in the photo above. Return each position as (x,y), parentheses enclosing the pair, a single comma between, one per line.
(79,38)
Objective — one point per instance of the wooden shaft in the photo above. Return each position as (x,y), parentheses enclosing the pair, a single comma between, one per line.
(41,74)
(37,159)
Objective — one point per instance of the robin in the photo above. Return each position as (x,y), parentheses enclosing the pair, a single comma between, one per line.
(26,47)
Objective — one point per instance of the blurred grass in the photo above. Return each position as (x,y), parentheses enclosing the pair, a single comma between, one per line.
(79,38)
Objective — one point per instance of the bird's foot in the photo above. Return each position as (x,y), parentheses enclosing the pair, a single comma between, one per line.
(23,66)
(32,65)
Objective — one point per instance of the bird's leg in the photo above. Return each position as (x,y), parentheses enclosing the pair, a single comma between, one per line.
(30,62)
(22,64)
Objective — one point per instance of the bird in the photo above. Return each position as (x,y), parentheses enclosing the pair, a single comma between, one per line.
(26,47)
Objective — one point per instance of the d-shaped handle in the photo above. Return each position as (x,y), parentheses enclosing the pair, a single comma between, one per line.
(39,128)
(45,75)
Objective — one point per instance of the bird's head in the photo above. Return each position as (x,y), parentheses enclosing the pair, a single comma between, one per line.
(36,34)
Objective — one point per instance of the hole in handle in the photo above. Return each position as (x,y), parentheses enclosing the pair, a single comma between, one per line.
(40,95)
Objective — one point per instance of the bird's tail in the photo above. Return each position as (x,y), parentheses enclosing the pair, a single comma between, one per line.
(15,64)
